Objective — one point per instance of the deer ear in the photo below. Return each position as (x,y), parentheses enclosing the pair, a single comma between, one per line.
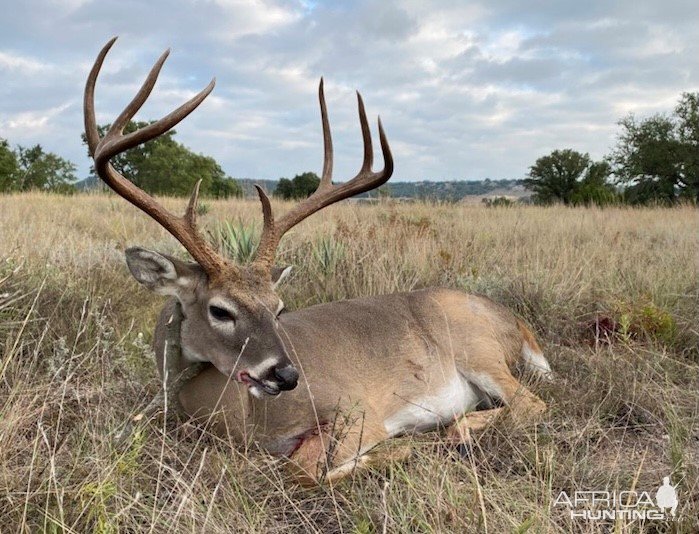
(279,274)
(161,273)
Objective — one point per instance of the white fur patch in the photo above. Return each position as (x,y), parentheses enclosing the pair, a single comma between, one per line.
(256,392)
(258,370)
(191,356)
(452,400)
(536,363)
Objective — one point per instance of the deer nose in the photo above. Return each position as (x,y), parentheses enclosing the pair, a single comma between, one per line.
(287,376)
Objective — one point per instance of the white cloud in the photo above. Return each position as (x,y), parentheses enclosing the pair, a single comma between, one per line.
(245,17)
(70,5)
(21,64)
(29,123)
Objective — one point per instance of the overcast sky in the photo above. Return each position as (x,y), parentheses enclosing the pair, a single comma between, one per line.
(466,90)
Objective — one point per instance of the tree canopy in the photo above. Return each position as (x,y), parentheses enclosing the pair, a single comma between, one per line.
(657,158)
(8,166)
(569,177)
(300,186)
(26,169)
(163,166)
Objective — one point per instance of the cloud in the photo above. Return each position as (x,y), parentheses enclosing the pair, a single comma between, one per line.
(23,65)
(31,121)
(466,90)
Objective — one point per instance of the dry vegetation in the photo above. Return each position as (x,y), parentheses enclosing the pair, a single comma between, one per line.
(612,294)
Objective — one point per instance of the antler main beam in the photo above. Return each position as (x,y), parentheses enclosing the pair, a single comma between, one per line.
(326,193)
(114,142)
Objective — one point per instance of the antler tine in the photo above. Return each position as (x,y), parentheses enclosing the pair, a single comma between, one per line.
(264,255)
(161,126)
(190,214)
(327,193)
(387,171)
(327,177)
(91,131)
(141,96)
(184,228)
(368,160)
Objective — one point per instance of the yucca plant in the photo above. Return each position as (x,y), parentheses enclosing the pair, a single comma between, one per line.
(327,253)
(203,208)
(237,241)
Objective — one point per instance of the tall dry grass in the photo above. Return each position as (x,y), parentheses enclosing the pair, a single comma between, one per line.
(612,293)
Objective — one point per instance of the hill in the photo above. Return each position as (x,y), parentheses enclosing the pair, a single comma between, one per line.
(424,190)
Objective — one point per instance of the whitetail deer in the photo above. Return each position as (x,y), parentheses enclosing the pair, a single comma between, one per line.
(354,372)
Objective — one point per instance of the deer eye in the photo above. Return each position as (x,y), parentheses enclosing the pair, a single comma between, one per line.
(221,314)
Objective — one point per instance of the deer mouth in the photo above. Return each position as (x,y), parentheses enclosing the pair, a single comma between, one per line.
(255,385)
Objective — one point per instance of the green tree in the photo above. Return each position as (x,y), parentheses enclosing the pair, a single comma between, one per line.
(300,186)
(305,184)
(687,113)
(9,167)
(568,176)
(657,158)
(163,166)
(647,159)
(34,169)
(43,170)
(595,188)
(284,189)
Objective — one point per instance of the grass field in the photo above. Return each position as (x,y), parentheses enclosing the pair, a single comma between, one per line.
(612,294)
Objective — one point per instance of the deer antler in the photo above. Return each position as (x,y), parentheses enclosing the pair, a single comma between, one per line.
(184,228)
(327,193)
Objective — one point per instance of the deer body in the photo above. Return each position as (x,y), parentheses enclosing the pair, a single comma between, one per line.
(382,366)
(351,373)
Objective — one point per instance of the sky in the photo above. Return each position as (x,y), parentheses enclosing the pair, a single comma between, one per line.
(466,90)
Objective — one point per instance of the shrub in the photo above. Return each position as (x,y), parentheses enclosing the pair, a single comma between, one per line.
(237,241)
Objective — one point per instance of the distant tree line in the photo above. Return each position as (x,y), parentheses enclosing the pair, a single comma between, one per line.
(655,161)
(302,185)
(451,191)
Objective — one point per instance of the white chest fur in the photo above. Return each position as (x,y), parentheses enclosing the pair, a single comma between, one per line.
(449,401)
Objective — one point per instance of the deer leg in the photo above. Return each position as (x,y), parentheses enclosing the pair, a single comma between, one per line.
(375,457)
(309,464)
(524,405)
(333,454)
(460,433)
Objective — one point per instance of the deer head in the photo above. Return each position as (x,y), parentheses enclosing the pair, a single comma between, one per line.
(231,312)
